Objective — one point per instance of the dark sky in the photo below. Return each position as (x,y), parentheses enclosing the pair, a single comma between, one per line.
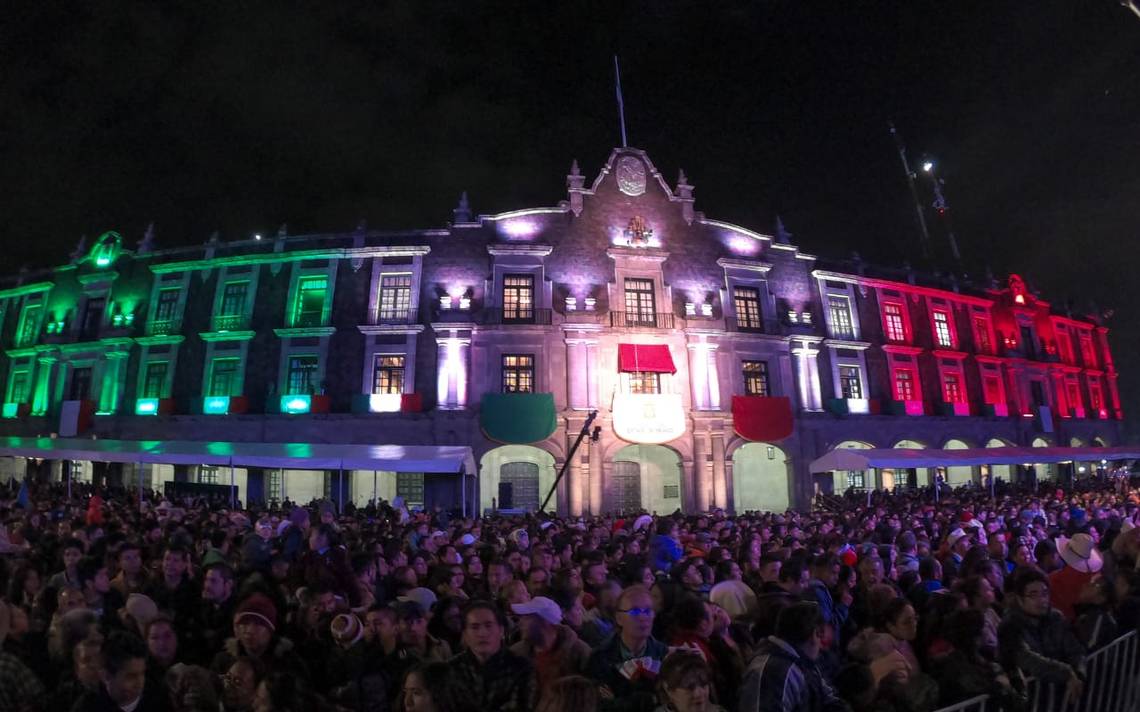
(239,116)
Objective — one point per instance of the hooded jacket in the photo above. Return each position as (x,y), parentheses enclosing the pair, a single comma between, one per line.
(664,551)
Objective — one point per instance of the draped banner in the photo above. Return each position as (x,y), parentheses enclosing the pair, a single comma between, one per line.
(762,418)
(648,418)
(518,418)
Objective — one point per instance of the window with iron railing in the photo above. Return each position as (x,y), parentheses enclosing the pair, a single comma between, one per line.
(991,389)
(850,383)
(1073,394)
(309,308)
(29,330)
(952,389)
(154,380)
(644,382)
(893,321)
(982,331)
(302,375)
(165,319)
(224,379)
(1088,354)
(388,374)
(19,387)
(839,310)
(904,385)
(746,301)
(518,297)
(395,297)
(943,336)
(518,373)
(640,302)
(755,378)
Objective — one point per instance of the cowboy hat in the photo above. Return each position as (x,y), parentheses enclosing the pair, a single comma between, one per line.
(1080,553)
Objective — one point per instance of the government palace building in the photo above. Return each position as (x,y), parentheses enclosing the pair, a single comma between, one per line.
(720,361)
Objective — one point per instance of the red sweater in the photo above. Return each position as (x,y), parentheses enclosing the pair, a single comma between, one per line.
(1065,589)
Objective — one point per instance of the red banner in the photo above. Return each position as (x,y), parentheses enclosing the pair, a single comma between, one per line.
(654,358)
(762,418)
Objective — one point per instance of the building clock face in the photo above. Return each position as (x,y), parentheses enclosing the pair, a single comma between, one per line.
(631,176)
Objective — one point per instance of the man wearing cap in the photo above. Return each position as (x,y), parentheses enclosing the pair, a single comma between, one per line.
(957,544)
(256,639)
(1082,563)
(555,649)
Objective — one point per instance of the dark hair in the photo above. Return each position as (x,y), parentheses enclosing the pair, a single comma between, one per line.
(329,532)
(360,562)
(224,569)
(689,612)
(798,622)
(664,526)
(17,580)
(126,546)
(481,605)
(679,666)
(217,538)
(119,649)
(71,544)
(448,693)
(854,682)
(890,612)
(824,560)
(792,570)
(572,693)
(1024,578)
(87,569)
(927,567)
(1044,548)
(963,629)
(724,570)
(288,692)
(682,567)
(177,549)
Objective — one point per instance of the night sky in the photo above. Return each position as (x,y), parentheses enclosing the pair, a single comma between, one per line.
(240,116)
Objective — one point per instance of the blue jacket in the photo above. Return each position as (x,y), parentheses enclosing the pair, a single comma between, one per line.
(779,679)
(664,551)
(833,612)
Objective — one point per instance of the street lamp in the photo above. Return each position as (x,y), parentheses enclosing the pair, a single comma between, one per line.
(928,166)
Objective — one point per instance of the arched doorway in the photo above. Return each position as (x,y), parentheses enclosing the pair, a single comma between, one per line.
(1000,472)
(961,475)
(912,477)
(1045,471)
(844,480)
(760,478)
(644,477)
(516,477)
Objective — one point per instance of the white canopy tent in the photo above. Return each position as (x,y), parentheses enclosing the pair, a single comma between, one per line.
(428,459)
(856,459)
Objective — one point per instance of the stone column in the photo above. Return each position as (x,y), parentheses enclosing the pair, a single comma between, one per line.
(442,377)
(720,495)
(701,473)
(713,378)
(462,347)
(592,374)
(577,374)
(699,376)
(595,478)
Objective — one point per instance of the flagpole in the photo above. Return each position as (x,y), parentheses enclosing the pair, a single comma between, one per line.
(620,102)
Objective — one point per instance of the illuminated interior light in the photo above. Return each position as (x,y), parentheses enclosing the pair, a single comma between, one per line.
(464,303)
(591,303)
(690,309)
(445,301)
(1019,298)
(296,404)
(706,310)
(793,316)
(11,410)
(216,405)
(571,303)
(806,317)
(384,402)
(519,228)
(146,406)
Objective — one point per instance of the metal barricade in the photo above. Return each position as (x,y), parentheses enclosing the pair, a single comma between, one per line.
(1112,684)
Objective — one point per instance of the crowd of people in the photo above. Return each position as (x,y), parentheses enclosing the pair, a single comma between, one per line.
(892,603)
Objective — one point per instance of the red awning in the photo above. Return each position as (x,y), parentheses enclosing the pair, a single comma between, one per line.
(762,418)
(654,358)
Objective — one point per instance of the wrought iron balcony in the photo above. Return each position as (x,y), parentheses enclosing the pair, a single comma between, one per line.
(230,322)
(391,316)
(163,327)
(745,325)
(641,320)
(540,317)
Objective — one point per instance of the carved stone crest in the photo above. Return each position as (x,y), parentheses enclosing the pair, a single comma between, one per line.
(631,176)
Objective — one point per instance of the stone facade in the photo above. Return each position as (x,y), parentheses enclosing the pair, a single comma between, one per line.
(395,337)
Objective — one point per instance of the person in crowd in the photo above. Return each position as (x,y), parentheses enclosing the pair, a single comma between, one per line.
(966,671)
(20,689)
(215,614)
(627,666)
(685,684)
(573,693)
(555,649)
(824,577)
(123,666)
(665,550)
(132,576)
(255,639)
(174,590)
(325,564)
(1080,563)
(980,596)
(494,677)
(1036,638)
(600,622)
(71,551)
(82,677)
(435,687)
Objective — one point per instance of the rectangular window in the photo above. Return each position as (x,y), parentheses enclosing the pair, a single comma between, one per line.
(893,321)
(644,382)
(952,388)
(167,305)
(233,299)
(518,297)
(29,325)
(1073,394)
(518,373)
(850,384)
(224,377)
(395,296)
(982,330)
(1028,343)
(942,334)
(388,374)
(310,306)
(839,309)
(746,301)
(1088,354)
(410,486)
(1065,345)
(19,386)
(855,479)
(273,487)
(755,378)
(207,475)
(640,302)
(92,317)
(991,389)
(154,380)
(1096,402)
(302,379)
(80,384)
(904,385)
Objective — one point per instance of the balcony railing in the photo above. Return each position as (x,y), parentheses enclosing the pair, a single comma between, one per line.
(407,316)
(163,327)
(230,322)
(305,321)
(748,326)
(540,317)
(643,320)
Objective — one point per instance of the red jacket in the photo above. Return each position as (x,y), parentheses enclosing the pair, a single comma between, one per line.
(1065,590)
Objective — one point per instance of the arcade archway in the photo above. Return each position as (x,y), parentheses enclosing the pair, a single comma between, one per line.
(644,477)
(517,478)
(760,478)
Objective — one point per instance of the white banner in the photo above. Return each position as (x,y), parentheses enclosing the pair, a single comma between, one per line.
(648,418)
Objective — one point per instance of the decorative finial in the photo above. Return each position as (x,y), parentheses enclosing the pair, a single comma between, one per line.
(80,249)
(215,237)
(574,170)
(682,179)
(283,230)
(362,225)
(462,212)
(782,235)
(146,244)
